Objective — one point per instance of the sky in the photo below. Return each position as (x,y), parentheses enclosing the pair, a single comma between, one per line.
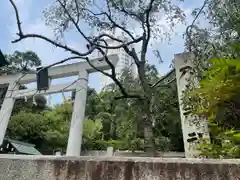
(33,22)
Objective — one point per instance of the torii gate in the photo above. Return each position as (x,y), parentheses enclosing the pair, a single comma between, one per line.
(82,69)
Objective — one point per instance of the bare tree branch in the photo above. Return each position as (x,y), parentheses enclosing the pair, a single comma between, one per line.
(109,9)
(189,28)
(114,23)
(129,96)
(73,21)
(120,27)
(163,78)
(25,36)
(95,45)
(17,17)
(102,35)
(147,33)
(148,11)
(78,79)
(123,9)
(78,11)
(133,54)
(115,39)
(61,62)
(113,74)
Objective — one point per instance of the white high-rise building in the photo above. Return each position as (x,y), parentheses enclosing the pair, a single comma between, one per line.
(125,62)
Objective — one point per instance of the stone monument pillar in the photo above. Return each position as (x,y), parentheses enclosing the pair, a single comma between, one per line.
(191,130)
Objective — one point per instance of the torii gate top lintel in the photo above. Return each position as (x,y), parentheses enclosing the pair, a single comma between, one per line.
(62,71)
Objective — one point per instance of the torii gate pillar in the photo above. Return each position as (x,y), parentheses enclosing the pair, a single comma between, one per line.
(6,109)
(78,116)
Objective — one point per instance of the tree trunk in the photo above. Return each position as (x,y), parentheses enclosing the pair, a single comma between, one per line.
(149,143)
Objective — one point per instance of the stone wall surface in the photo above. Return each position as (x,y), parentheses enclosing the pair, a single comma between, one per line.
(133,154)
(115,168)
(145,154)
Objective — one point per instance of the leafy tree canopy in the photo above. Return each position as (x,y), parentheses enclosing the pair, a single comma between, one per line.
(20,62)
(217,99)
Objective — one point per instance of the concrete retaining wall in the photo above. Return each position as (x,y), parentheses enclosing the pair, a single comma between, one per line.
(114,168)
(144,154)
(133,154)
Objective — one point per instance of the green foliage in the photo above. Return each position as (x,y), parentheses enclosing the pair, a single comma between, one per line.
(120,12)
(28,126)
(49,129)
(221,34)
(164,143)
(28,106)
(228,148)
(23,60)
(218,99)
(93,136)
(125,117)
(225,15)
(167,119)
(58,125)
(59,118)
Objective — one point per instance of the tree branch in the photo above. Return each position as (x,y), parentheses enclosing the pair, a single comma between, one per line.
(78,11)
(73,21)
(93,46)
(147,33)
(189,28)
(148,11)
(115,24)
(25,36)
(113,74)
(102,35)
(129,96)
(163,78)
(115,39)
(120,27)
(122,9)
(61,62)
(17,17)
(133,54)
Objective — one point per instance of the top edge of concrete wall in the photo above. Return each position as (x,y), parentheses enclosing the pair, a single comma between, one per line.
(123,159)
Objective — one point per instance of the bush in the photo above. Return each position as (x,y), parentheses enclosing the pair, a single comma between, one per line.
(218,100)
